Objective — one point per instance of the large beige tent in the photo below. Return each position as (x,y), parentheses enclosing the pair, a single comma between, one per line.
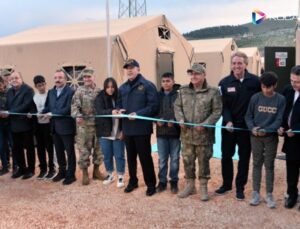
(215,54)
(254,59)
(152,40)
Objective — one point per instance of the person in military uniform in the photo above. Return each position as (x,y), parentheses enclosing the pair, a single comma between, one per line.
(201,104)
(83,109)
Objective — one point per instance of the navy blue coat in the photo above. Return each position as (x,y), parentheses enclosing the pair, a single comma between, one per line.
(20,101)
(61,105)
(141,98)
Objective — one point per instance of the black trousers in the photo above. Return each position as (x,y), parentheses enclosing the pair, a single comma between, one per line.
(24,141)
(64,143)
(44,143)
(292,177)
(141,146)
(292,150)
(229,142)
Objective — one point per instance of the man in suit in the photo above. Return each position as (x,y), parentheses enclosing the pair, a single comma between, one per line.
(291,146)
(58,107)
(20,100)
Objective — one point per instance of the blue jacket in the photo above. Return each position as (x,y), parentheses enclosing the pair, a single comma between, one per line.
(20,101)
(61,105)
(141,98)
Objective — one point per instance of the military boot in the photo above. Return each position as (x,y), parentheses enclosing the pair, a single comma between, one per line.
(97,175)
(203,190)
(189,188)
(85,177)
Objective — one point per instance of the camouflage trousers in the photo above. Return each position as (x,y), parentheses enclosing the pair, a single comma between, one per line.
(87,144)
(189,154)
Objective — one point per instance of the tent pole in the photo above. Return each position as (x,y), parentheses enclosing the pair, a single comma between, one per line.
(108,43)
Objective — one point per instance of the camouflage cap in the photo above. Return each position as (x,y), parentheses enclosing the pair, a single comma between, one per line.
(132,63)
(87,72)
(6,72)
(198,68)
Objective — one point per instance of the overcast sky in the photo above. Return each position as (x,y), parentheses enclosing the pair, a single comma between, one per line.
(186,15)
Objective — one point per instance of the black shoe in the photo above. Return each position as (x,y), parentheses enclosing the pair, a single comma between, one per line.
(130,187)
(240,195)
(161,187)
(17,174)
(42,175)
(150,191)
(60,176)
(3,171)
(290,202)
(69,180)
(174,187)
(222,190)
(27,175)
(50,175)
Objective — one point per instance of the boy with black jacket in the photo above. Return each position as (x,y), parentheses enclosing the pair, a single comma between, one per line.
(168,134)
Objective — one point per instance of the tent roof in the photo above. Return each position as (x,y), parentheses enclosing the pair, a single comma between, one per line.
(250,51)
(84,30)
(210,45)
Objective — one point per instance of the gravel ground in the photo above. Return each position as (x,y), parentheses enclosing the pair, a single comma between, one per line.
(44,204)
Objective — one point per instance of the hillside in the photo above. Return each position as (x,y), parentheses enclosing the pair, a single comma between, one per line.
(272,32)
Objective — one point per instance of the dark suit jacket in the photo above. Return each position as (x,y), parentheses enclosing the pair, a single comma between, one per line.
(20,101)
(61,105)
(291,145)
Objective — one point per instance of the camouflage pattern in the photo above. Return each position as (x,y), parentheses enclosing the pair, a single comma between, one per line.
(3,107)
(189,154)
(87,143)
(83,105)
(201,106)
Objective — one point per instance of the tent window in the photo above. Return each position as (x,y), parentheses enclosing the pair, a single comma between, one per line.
(73,74)
(164,33)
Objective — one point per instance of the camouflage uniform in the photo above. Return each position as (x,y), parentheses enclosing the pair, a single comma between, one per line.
(83,105)
(201,106)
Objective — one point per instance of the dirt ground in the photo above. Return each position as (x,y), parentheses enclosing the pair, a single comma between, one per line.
(44,204)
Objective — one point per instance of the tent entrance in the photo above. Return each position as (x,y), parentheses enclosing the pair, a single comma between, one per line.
(164,64)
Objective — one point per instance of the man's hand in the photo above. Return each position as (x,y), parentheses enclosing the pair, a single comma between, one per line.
(160,124)
(181,124)
(199,128)
(4,114)
(229,127)
(255,131)
(290,133)
(170,124)
(115,112)
(261,132)
(29,115)
(132,116)
(79,120)
(280,131)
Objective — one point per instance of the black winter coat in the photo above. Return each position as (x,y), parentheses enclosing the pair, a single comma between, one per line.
(104,106)
(166,111)
(20,101)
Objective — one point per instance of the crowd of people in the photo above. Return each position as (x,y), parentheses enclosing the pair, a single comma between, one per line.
(253,116)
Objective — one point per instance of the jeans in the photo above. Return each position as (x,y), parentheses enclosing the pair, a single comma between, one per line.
(3,155)
(168,147)
(110,149)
